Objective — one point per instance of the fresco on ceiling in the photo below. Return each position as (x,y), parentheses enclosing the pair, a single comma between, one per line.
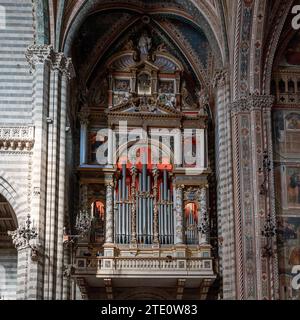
(288,254)
(159,40)
(196,39)
(94,29)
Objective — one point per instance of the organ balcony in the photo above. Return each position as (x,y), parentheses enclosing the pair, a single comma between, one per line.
(155,228)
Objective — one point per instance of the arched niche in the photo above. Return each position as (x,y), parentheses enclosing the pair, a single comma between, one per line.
(8,253)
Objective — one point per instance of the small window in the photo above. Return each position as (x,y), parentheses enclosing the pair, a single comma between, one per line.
(273,87)
(298,85)
(282,86)
(291,86)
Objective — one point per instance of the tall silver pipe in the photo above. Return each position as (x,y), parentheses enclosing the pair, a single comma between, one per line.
(133,207)
(172,220)
(155,207)
(144,221)
(165,191)
(148,218)
(120,210)
(126,216)
(169,218)
(140,211)
(116,216)
(160,216)
(162,213)
(123,200)
(151,214)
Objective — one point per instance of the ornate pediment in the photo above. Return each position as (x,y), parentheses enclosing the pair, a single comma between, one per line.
(162,105)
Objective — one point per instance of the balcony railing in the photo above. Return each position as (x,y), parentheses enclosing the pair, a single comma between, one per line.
(146,266)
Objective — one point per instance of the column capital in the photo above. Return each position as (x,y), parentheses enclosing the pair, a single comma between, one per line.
(252,103)
(63,64)
(39,54)
(109,180)
(84,116)
(221,77)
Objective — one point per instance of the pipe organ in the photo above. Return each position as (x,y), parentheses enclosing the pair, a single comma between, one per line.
(143,201)
(147,163)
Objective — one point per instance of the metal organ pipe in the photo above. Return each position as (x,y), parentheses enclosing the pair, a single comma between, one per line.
(169,217)
(126,216)
(133,205)
(165,198)
(155,207)
(139,211)
(123,202)
(119,211)
(145,213)
(149,211)
(161,216)
(144,210)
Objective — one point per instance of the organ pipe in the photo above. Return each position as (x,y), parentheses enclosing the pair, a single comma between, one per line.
(133,205)
(155,207)
(145,211)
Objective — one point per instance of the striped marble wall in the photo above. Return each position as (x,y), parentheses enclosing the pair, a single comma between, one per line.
(16,123)
(15,79)
(8,274)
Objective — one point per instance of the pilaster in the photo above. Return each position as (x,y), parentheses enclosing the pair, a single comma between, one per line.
(254,197)
(224,176)
(51,73)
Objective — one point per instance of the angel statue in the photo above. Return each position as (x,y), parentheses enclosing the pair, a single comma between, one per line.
(203,101)
(145,44)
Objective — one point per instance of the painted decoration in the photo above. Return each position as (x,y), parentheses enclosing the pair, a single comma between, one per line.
(293,187)
(288,254)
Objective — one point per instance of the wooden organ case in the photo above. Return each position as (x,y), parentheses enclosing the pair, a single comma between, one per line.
(147,161)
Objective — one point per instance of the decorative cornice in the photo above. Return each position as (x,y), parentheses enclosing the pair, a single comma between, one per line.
(16,138)
(64,65)
(220,78)
(39,54)
(252,103)
(84,116)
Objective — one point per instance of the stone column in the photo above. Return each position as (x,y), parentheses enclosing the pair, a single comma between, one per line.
(109,222)
(65,68)
(223,152)
(254,197)
(40,59)
(51,72)
(25,239)
(84,120)
(178,207)
(203,221)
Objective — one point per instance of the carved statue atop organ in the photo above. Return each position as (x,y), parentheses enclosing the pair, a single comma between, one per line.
(148,151)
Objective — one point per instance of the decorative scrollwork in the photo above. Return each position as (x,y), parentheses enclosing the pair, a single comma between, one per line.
(25,237)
